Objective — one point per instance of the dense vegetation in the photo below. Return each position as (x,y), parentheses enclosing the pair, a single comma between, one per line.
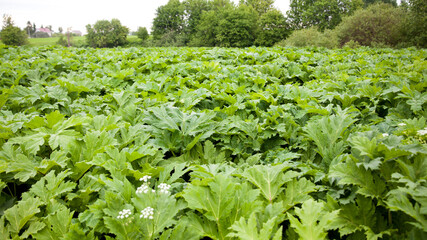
(179,143)
(221,23)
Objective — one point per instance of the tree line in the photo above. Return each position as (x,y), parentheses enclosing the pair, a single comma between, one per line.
(221,23)
(328,23)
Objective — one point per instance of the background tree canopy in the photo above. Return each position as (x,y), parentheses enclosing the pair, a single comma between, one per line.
(106,34)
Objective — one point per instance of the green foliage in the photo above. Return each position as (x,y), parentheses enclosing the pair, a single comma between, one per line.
(11,35)
(218,143)
(106,33)
(314,220)
(62,41)
(142,33)
(237,27)
(273,28)
(377,24)
(261,6)
(311,37)
(169,19)
(324,14)
(413,24)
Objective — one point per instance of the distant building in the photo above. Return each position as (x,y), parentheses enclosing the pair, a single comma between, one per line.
(45,30)
(76,32)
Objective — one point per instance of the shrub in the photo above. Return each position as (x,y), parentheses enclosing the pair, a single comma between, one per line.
(142,33)
(106,34)
(41,35)
(62,41)
(311,37)
(11,35)
(377,25)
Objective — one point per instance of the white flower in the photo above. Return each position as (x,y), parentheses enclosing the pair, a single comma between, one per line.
(125,213)
(142,189)
(145,178)
(148,212)
(422,132)
(385,135)
(164,188)
(401,124)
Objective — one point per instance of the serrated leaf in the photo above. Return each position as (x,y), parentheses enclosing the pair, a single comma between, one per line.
(297,192)
(57,225)
(269,179)
(215,201)
(21,213)
(350,174)
(314,220)
(22,167)
(52,186)
(249,229)
(399,201)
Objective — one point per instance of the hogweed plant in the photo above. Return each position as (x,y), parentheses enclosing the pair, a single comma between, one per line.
(157,210)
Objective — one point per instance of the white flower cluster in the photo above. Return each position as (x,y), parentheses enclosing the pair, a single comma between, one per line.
(401,124)
(142,189)
(145,178)
(422,132)
(385,135)
(125,213)
(164,188)
(148,212)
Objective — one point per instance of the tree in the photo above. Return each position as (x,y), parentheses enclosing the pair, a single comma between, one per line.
(193,10)
(273,28)
(142,33)
(415,23)
(106,34)
(261,6)
(325,14)
(169,18)
(369,2)
(11,35)
(206,29)
(379,24)
(60,29)
(237,28)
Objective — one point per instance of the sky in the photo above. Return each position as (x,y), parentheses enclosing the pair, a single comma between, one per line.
(78,13)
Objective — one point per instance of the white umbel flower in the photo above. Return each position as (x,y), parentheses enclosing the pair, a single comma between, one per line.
(385,135)
(401,124)
(125,213)
(142,189)
(422,132)
(164,188)
(145,178)
(147,213)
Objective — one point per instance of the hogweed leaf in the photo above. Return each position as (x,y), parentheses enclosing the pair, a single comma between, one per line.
(269,179)
(349,173)
(314,220)
(20,214)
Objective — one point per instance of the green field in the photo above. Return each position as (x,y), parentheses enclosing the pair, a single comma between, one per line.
(213,143)
(54,40)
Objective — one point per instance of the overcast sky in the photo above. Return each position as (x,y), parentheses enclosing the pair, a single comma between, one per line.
(78,13)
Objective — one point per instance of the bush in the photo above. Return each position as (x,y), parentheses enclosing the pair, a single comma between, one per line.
(62,41)
(11,35)
(142,33)
(377,25)
(311,37)
(41,35)
(106,34)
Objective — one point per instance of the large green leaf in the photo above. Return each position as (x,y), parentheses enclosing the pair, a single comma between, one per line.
(314,220)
